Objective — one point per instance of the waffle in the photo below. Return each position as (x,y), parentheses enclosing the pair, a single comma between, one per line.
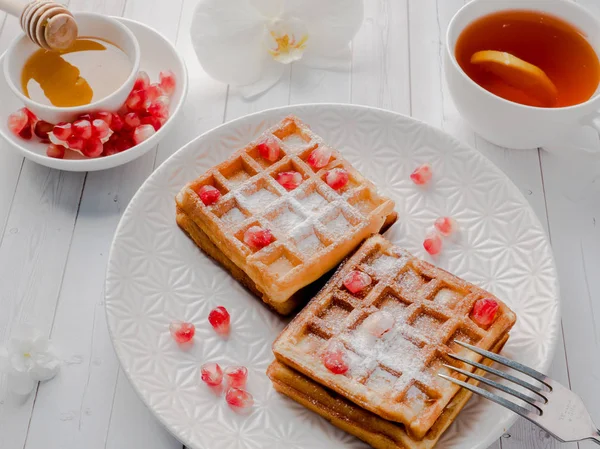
(314,227)
(369,427)
(393,376)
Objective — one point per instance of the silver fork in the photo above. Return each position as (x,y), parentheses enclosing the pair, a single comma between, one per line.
(554,408)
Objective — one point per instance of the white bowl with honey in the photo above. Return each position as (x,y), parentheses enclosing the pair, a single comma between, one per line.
(97,73)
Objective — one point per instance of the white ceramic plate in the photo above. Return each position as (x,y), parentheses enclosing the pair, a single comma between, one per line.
(157,54)
(156,274)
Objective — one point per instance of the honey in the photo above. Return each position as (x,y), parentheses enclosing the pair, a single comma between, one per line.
(91,69)
(554,46)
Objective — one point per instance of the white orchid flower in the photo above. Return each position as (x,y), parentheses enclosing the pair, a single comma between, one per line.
(27,359)
(249,42)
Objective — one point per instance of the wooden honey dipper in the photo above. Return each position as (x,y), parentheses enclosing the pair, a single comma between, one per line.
(48,24)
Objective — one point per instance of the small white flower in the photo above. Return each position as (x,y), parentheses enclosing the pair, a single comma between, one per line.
(249,42)
(27,359)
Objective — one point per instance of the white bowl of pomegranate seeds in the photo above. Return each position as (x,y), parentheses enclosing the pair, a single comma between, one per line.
(105,139)
(208,341)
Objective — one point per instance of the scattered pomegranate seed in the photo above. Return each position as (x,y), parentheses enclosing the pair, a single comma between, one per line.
(181,331)
(269,149)
(42,129)
(131,121)
(143,132)
(167,81)
(379,323)
(75,143)
(212,374)
(220,320)
(289,179)
(356,281)
(150,120)
(239,398)
(136,100)
(18,122)
(100,128)
(160,107)
(446,225)
(55,151)
(87,117)
(209,195)
(320,157)
(422,175)
(334,358)
(336,178)
(484,311)
(32,117)
(62,131)
(116,124)
(236,376)
(82,128)
(257,237)
(142,81)
(154,91)
(432,243)
(93,148)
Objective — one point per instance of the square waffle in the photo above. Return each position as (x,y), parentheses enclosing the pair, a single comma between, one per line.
(314,227)
(369,427)
(392,375)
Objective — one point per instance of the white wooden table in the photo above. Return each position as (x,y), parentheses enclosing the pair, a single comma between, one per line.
(56,227)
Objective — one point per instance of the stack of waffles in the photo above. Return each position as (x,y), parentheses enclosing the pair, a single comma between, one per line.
(366,351)
(277,237)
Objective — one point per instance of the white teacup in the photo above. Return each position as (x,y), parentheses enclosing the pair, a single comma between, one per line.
(510,124)
(89,24)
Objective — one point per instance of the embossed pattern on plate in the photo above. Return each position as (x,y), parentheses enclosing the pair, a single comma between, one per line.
(156,274)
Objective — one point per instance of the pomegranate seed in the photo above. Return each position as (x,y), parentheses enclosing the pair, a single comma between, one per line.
(209,195)
(82,128)
(422,175)
(100,128)
(42,129)
(379,323)
(32,117)
(116,123)
(75,143)
(167,81)
(336,178)
(334,358)
(160,107)
(142,81)
(154,91)
(181,331)
(62,131)
(106,116)
(55,151)
(432,243)
(289,179)
(131,121)
(212,374)
(484,311)
(136,100)
(320,157)
(143,132)
(109,149)
(446,225)
(18,122)
(87,117)
(239,398)
(123,143)
(150,120)
(257,237)
(236,376)
(269,149)
(220,320)
(93,148)
(356,281)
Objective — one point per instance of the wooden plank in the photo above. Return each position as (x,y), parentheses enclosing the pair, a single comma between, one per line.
(77,409)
